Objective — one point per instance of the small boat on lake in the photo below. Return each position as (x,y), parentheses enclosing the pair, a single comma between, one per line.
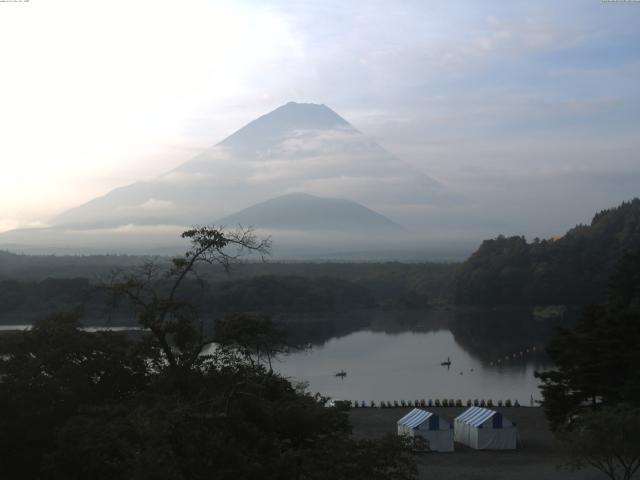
(341,374)
(447,363)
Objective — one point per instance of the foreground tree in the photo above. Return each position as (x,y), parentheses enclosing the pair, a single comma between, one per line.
(596,361)
(607,439)
(592,396)
(49,373)
(154,293)
(77,405)
(256,338)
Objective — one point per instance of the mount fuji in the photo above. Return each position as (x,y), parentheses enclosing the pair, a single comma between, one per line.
(348,181)
(296,148)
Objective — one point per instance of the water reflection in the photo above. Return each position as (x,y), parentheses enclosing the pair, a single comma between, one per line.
(399,355)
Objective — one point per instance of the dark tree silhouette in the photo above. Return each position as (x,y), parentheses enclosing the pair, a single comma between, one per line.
(154,292)
(596,361)
(79,405)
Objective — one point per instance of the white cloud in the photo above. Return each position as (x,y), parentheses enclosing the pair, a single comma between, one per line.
(101,94)
(96,93)
(153,205)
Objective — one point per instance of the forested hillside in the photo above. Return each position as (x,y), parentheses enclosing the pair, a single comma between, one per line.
(31,286)
(571,270)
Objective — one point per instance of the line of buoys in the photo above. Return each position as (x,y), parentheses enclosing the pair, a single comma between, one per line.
(512,356)
(432,403)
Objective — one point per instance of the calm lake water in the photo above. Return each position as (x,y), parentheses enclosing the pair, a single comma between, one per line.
(398,356)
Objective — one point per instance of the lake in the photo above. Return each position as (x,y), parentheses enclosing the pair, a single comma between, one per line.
(398,356)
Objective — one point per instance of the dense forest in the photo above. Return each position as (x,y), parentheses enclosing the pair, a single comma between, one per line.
(159,405)
(571,270)
(25,301)
(289,293)
(32,286)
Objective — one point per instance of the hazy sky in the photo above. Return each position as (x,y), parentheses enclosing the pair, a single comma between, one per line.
(486,96)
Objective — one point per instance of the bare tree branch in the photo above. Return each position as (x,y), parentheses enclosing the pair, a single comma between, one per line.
(153,289)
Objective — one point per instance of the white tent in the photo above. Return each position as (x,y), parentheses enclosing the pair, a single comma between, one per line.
(484,429)
(437,431)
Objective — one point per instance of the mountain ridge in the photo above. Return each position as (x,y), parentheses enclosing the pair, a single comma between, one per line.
(301,211)
(572,269)
(296,147)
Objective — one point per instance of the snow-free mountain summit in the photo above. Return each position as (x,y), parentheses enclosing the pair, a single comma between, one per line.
(301,172)
(296,148)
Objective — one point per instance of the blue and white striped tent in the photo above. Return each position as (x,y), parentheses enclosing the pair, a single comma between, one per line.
(484,429)
(436,430)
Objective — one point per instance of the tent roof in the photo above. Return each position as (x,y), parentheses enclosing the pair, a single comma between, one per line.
(415,418)
(475,416)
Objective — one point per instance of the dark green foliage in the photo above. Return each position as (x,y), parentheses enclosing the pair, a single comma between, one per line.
(17,298)
(22,297)
(607,439)
(572,270)
(386,459)
(49,373)
(255,338)
(78,405)
(597,361)
(39,267)
(624,287)
(413,299)
(290,294)
(268,288)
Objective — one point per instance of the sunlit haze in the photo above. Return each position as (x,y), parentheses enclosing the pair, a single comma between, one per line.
(504,104)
